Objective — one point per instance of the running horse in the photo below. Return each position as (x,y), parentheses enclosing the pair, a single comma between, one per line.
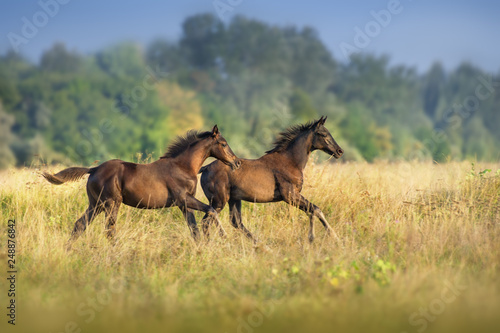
(169,181)
(276,176)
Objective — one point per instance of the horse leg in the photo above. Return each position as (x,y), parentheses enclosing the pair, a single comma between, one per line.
(210,214)
(311,228)
(205,225)
(217,194)
(111,211)
(218,205)
(206,221)
(314,211)
(92,211)
(191,221)
(235,217)
(295,198)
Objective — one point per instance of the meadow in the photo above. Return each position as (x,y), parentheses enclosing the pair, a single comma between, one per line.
(418,250)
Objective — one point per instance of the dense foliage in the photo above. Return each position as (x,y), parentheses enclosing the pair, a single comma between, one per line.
(251,78)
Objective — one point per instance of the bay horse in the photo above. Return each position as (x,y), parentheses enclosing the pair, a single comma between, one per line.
(276,176)
(169,181)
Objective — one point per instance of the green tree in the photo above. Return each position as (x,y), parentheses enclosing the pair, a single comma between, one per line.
(434,82)
(122,61)
(359,132)
(166,56)
(312,66)
(202,40)
(58,59)
(301,106)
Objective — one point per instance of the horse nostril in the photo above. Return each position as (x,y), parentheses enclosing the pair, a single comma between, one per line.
(340,151)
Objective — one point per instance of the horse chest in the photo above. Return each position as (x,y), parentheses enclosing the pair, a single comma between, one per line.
(295,179)
(191,186)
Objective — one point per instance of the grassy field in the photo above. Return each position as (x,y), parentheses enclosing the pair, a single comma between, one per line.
(418,250)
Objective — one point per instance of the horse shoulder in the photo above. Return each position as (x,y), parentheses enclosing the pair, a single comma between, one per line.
(286,171)
(181,181)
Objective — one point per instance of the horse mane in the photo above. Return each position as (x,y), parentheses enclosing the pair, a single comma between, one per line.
(182,142)
(289,135)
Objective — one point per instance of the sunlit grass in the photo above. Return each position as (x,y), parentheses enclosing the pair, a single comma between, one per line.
(412,235)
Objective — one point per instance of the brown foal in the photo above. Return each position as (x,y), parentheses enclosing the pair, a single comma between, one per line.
(169,181)
(276,176)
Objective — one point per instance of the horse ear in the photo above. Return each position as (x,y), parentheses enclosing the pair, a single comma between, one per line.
(320,121)
(215,131)
(323,120)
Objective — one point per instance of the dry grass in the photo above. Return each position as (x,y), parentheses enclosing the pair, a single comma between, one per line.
(407,233)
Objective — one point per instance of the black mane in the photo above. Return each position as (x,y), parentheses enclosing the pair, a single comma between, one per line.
(181,143)
(289,135)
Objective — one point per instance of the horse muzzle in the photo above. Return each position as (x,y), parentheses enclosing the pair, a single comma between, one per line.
(337,153)
(235,165)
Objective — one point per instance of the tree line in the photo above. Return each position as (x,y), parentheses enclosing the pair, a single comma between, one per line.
(253,79)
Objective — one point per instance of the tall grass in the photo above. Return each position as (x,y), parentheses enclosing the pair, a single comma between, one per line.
(418,250)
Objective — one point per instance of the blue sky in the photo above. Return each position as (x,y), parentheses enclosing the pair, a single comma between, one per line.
(422,31)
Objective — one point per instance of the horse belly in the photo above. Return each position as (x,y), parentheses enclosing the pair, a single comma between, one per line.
(147,198)
(255,188)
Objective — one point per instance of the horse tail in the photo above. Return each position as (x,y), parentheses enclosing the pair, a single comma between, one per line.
(67,175)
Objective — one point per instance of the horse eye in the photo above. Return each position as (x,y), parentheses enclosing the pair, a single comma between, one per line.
(224,145)
(322,134)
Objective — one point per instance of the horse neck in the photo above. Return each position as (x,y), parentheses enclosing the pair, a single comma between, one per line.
(194,156)
(300,149)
